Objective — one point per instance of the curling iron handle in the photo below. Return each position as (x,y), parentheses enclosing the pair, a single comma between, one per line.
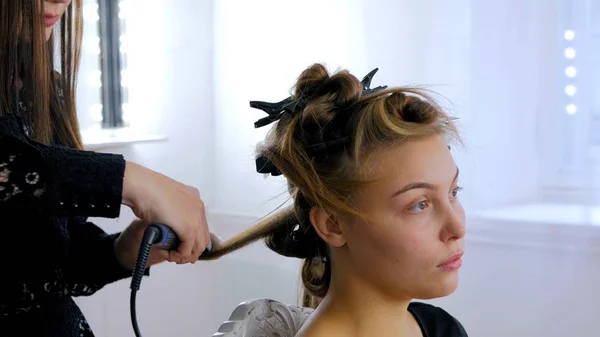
(168,238)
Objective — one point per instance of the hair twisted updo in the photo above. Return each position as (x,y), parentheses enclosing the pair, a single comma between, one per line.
(335,108)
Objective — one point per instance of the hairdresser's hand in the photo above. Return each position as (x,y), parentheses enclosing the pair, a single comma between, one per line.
(155,198)
(127,247)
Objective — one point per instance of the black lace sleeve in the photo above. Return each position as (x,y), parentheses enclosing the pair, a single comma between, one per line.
(92,262)
(54,180)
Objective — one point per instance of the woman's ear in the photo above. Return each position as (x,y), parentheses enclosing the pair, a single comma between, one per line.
(327,227)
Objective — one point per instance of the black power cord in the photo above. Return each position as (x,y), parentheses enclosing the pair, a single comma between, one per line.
(162,237)
(156,234)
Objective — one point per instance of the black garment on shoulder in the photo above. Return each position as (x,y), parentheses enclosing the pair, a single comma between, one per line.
(435,321)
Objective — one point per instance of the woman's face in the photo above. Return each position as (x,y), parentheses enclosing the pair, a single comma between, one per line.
(412,246)
(53,11)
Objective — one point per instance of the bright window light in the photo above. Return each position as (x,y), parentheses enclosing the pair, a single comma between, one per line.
(94,79)
(123,9)
(569,35)
(90,12)
(570,71)
(126,115)
(123,43)
(570,90)
(92,45)
(570,53)
(124,78)
(571,109)
(96,113)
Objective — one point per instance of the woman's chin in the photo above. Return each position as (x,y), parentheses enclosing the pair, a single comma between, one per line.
(448,285)
(439,288)
(48,32)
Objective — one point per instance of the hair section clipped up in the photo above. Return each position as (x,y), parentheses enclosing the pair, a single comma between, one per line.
(321,142)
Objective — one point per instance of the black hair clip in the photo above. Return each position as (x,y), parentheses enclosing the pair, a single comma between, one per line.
(275,110)
(265,166)
(291,105)
(366,83)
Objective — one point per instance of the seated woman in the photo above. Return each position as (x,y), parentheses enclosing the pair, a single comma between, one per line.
(376,215)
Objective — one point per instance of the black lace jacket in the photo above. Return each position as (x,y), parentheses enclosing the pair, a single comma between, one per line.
(50,251)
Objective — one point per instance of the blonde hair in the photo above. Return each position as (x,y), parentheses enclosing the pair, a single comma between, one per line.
(335,108)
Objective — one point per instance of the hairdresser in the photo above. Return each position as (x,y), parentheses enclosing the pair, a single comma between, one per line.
(49,186)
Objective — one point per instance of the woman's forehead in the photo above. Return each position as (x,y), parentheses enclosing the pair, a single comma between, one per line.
(425,159)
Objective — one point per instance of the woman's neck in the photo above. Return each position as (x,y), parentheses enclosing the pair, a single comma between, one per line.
(353,307)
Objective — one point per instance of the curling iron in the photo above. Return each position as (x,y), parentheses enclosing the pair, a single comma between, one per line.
(156,235)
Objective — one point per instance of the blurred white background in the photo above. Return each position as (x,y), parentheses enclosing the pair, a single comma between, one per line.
(522,76)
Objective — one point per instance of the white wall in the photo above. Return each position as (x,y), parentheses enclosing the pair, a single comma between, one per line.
(196,64)
(507,68)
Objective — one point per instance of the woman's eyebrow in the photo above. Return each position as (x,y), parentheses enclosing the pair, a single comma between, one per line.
(422,185)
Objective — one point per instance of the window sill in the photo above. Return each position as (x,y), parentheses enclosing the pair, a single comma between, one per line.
(556,226)
(101,139)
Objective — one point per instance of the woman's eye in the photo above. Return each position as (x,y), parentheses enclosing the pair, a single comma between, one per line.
(455,191)
(419,207)
(424,204)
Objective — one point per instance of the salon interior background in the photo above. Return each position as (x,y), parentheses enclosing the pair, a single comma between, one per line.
(523,76)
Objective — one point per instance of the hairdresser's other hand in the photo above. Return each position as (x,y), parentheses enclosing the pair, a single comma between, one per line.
(156,198)
(127,246)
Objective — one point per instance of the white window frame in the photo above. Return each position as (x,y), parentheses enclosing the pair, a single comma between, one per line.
(103,64)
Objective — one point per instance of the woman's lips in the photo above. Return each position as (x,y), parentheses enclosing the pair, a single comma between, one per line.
(453,263)
(50,19)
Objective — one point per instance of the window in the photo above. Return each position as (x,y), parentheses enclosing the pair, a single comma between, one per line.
(577,151)
(103,72)
(594,80)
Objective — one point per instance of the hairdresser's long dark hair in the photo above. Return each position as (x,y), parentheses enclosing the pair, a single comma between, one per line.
(27,69)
